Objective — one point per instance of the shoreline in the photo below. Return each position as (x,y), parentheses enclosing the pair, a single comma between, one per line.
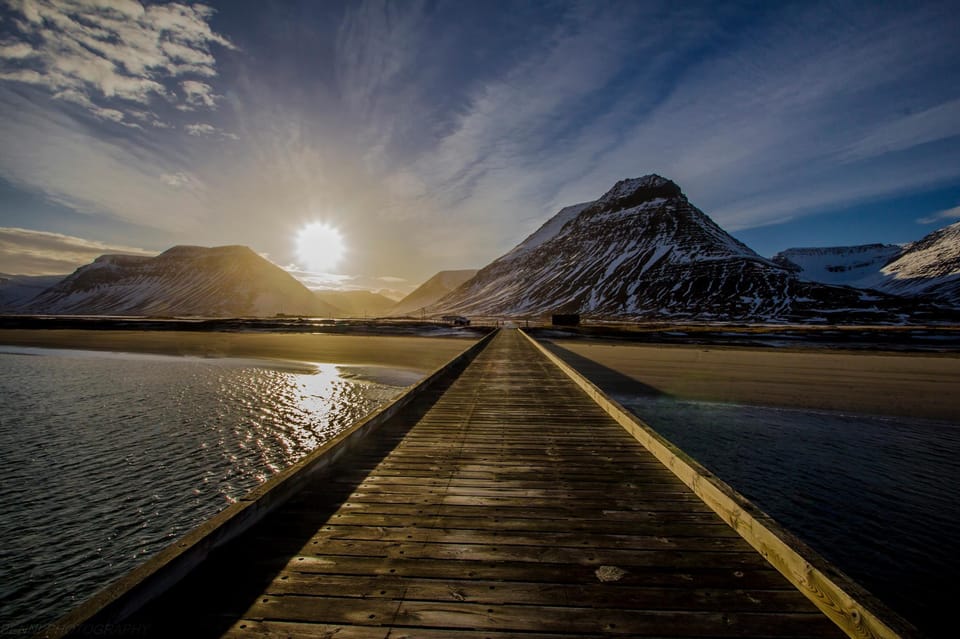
(886,383)
(397,351)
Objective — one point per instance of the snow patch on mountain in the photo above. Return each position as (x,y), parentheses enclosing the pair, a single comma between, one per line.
(640,250)
(549,230)
(928,268)
(17,290)
(840,265)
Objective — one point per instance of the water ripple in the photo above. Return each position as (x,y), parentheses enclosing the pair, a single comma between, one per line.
(875,495)
(107,459)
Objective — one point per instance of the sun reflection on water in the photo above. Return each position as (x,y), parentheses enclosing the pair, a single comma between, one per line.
(109,458)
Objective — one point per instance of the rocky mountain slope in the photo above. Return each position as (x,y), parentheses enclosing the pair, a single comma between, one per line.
(184,280)
(431,291)
(644,251)
(17,290)
(640,250)
(839,265)
(928,268)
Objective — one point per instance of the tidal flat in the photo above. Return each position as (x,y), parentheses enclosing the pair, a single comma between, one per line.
(870,382)
(420,353)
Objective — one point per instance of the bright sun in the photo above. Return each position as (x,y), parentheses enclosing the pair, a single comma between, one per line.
(319,246)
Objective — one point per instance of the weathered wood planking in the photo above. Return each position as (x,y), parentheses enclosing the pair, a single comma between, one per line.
(506,503)
(852,608)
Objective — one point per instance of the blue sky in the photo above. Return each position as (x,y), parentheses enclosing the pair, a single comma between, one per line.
(437,135)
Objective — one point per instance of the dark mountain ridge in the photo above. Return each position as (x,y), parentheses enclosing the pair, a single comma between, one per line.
(643,251)
(183,280)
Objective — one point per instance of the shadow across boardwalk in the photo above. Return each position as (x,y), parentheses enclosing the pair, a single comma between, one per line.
(510,505)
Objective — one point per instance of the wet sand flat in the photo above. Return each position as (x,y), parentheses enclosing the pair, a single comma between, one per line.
(421,353)
(875,383)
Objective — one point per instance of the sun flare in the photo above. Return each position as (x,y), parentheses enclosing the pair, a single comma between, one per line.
(320,247)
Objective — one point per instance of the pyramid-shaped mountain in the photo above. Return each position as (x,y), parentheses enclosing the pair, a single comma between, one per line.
(184,280)
(640,250)
(643,251)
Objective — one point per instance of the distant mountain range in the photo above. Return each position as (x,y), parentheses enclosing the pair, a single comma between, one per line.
(431,291)
(17,290)
(928,269)
(184,280)
(643,250)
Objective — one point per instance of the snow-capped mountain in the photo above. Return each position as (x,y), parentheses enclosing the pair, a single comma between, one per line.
(431,291)
(640,250)
(839,265)
(17,290)
(929,268)
(184,280)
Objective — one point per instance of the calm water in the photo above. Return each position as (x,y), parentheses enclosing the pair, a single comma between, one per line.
(876,496)
(106,458)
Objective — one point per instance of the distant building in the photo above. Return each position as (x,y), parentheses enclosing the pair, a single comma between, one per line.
(456,320)
(566,319)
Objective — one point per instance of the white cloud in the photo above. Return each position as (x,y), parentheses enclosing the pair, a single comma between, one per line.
(29,252)
(314,280)
(948,214)
(398,287)
(181,180)
(199,94)
(16,51)
(111,50)
(199,129)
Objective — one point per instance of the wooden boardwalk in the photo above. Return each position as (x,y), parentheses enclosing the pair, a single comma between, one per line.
(504,503)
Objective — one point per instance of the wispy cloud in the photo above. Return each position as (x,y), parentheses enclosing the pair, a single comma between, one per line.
(437,135)
(948,214)
(46,151)
(940,122)
(91,52)
(505,147)
(797,111)
(199,129)
(800,115)
(28,252)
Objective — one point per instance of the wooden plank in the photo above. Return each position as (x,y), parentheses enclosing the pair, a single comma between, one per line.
(250,628)
(543,618)
(623,558)
(495,592)
(141,585)
(852,608)
(763,577)
(510,506)
(532,536)
(592,530)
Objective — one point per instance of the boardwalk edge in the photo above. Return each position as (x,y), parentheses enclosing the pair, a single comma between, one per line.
(852,608)
(104,612)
